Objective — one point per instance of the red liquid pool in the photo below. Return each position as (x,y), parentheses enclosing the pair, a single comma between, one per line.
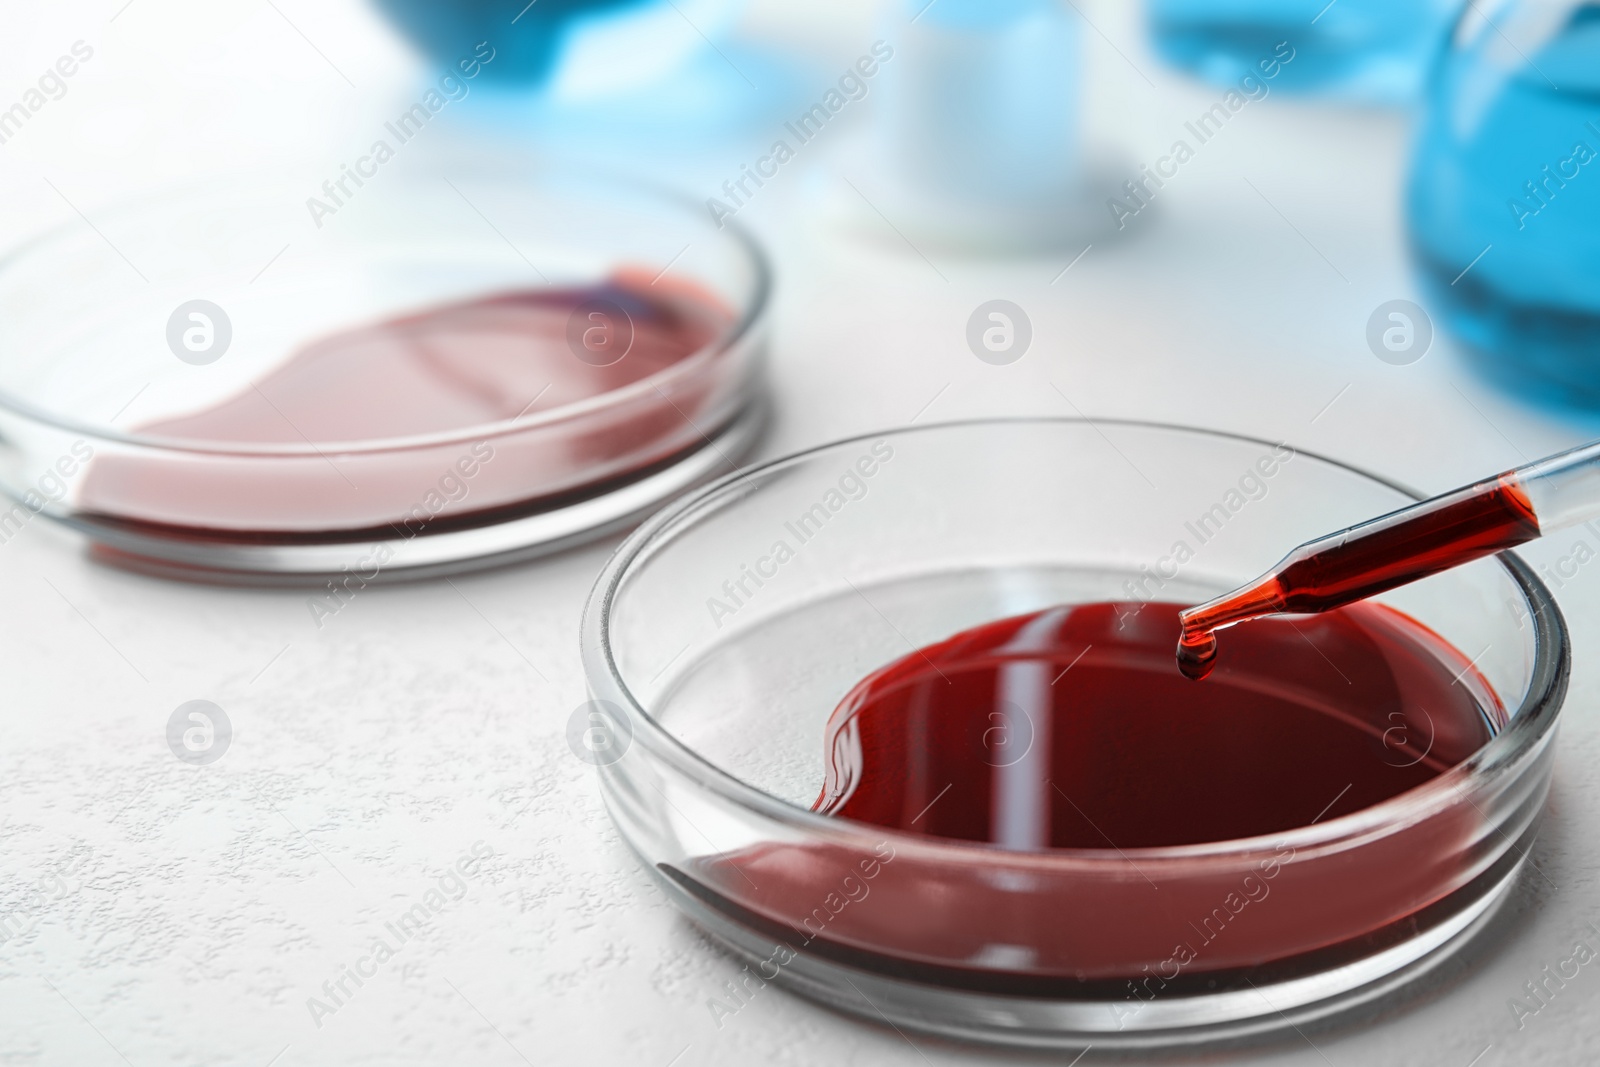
(440,371)
(1040,752)
(1072,728)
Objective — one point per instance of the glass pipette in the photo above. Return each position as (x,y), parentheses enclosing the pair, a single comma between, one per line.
(1443,532)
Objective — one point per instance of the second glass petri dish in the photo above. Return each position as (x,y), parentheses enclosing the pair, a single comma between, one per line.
(430,371)
(724,633)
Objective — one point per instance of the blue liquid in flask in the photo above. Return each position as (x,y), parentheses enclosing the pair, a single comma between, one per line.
(525,38)
(1503,202)
(1370,50)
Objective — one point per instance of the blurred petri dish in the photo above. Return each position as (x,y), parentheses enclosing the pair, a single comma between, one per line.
(431,371)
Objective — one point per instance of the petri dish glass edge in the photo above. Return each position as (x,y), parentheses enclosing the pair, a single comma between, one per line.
(1530,729)
(747,329)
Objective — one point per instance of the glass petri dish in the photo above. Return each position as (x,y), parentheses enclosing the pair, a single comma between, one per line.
(715,657)
(433,371)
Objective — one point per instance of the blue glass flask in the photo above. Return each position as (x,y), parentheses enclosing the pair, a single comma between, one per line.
(526,36)
(1371,50)
(1503,201)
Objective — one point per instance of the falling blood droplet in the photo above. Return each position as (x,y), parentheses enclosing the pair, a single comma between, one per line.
(1197,654)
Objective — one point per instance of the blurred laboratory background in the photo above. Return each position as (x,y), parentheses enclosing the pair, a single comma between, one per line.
(1200,205)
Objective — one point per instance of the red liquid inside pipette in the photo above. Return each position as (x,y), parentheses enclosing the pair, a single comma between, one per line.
(1368,560)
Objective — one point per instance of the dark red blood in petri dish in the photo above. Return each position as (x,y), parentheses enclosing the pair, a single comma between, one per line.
(1026,746)
(442,370)
(1072,728)
(1361,562)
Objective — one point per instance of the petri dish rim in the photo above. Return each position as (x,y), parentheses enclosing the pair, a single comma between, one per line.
(1530,723)
(748,323)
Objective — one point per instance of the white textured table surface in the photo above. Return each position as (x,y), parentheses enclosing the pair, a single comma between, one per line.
(157,913)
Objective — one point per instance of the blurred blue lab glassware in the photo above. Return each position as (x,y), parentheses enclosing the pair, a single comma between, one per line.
(664,89)
(526,37)
(980,118)
(1503,202)
(1371,50)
